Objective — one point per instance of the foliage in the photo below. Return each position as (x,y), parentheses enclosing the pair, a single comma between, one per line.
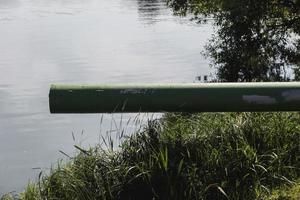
(201,156)
(255,40)
(286,193)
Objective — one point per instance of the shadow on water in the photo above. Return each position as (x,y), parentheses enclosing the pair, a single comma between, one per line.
(150,10)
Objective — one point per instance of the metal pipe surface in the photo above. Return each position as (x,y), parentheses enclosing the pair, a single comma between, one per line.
(196,97)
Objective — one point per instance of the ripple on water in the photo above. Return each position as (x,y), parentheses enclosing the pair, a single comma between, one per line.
(81,41)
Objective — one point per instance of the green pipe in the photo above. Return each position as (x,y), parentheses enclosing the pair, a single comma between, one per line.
(199,97)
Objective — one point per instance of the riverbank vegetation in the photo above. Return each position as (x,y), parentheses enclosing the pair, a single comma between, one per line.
(209,155)
(199,156)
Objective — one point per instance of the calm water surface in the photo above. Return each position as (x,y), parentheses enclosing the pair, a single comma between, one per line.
(80,41)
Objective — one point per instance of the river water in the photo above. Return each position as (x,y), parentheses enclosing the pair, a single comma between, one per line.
(81,41)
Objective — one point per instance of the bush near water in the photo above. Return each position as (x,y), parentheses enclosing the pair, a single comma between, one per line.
(195,156)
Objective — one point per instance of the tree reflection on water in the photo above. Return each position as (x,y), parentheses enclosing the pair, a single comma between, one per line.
(150,10)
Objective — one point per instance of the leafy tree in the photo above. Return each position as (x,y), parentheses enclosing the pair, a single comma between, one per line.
(254,41)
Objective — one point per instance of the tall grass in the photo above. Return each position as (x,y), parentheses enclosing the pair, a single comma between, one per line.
(192,156)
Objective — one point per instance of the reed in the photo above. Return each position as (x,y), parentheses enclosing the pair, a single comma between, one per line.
(185,156)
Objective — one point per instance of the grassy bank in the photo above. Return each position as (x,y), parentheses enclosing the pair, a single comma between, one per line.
(286,192)
(201,156)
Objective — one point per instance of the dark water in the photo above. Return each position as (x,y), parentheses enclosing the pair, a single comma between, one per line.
(80,41)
